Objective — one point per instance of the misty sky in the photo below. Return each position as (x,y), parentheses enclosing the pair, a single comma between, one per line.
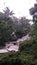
(19,7)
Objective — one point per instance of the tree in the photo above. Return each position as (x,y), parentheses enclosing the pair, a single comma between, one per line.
(33,11)
(6,28)
(7,12)
(34,27)
(34,31)
(5,35)
(23,27)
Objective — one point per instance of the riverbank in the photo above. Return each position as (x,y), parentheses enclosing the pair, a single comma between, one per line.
(14,47)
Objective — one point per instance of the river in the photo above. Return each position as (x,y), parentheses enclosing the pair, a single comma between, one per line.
(12,47)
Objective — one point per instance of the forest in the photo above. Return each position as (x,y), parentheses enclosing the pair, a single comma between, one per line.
(27,53)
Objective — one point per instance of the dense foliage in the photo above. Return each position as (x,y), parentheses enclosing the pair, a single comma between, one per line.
(8,26)
(27,54)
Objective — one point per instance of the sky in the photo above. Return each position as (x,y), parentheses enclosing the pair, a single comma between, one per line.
(19,7)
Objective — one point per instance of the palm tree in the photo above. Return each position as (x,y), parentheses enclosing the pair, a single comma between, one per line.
(8,12)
